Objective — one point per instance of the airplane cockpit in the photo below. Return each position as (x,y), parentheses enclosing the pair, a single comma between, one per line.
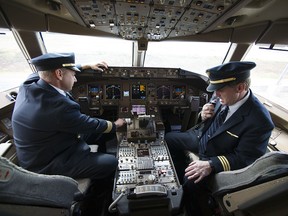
(158,85)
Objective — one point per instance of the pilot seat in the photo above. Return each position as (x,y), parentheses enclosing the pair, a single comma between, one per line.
(26,193)
(260,189)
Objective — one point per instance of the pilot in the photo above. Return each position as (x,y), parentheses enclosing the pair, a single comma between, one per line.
(51,134)
(234,131)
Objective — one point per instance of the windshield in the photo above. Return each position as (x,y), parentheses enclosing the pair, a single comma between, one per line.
(269,78)
(116,52)
(193,56)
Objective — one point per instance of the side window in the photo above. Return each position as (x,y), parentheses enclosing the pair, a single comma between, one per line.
(270,76)
(13,66)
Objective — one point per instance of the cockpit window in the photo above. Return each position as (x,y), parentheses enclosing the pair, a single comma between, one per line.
(270,76)
(192,56)
(116,52)
(13,65)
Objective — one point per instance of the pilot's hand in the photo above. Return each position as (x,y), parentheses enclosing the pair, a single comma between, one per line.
(99,66)
(207,111)
(120,122)
(198,170)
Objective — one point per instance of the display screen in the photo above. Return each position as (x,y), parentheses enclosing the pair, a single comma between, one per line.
(113,92)
(95,91)
(178,92)
(138,91)
(139,109)
(126,93)
(163,92)
(142,152)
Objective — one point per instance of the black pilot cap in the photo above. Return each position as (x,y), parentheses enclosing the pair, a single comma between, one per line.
(223,74)
(51,61)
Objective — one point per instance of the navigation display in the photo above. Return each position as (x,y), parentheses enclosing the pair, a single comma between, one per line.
(113,92)
(163,92)
(138,91)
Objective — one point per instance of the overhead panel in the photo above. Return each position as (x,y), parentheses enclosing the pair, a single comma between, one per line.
(153,20)
(131,19)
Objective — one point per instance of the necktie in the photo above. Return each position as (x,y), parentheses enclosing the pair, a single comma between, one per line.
(68,95)
(217,122)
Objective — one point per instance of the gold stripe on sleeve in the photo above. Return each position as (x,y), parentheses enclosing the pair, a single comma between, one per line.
(225,163)
(222,162)
(109,127)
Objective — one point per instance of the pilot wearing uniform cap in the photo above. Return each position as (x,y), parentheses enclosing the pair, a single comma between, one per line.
(236,143)
(225,74)
(51,61)
(51,134)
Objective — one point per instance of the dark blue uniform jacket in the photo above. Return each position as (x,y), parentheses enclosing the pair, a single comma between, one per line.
(47,125)
(241,139)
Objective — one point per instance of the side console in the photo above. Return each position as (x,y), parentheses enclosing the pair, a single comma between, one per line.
(146,180)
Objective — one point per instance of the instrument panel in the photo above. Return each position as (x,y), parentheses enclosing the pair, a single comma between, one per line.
(123,87)
(137,91)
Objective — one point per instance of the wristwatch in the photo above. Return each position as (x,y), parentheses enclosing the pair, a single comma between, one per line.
(212,166)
